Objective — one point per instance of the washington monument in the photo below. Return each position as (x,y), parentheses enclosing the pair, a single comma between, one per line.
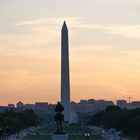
(65,77)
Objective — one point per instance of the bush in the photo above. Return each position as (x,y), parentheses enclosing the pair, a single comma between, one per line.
(12,121)
(128,121)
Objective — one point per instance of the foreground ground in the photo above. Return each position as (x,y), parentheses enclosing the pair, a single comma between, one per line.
(74,132)
(71,138)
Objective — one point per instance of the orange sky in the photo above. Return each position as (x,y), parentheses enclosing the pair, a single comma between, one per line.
(104,50)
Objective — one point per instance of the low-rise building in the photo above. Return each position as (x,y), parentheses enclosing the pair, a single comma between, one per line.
(41,106)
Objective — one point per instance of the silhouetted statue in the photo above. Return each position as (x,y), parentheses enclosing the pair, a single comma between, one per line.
(59,117)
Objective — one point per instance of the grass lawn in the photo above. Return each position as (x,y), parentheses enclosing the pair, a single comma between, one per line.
(66,129)
(74,133)
(38,138)
(78,137)
(83,138)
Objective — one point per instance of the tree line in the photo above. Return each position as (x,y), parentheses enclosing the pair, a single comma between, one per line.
(127,121)
(12,121)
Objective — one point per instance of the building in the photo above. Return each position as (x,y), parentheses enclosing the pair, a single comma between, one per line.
(122,103)
(29,106)
(20,105)
(11,106)
(3,108)
(133,105)
(65,78)
(90,106)
(74,107)
(41,106)
(51,108)
(102,104)
(74,118)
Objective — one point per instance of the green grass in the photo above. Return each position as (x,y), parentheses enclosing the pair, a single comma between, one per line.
(38,138)
(74,133)
(78,137)
(66,129)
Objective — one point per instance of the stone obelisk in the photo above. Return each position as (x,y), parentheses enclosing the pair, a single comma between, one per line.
(65,77)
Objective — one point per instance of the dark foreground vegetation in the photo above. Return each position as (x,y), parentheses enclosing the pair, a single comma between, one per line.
(128,121)
(12,121)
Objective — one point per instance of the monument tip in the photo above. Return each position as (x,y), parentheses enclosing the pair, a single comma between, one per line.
(64,24)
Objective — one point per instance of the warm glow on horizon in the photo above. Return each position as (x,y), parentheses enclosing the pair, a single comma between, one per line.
(104,41)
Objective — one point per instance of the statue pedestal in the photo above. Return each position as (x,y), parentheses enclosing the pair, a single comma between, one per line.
(60,137)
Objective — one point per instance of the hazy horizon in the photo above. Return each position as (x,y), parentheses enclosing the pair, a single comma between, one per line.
(104,43)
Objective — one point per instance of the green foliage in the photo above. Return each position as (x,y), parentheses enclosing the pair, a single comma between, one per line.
(12,121)
(128,121)
(113,108)
(46,116)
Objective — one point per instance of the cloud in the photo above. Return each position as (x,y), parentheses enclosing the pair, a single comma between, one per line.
(52,26)
(115,1)
(129,31)
(23,40)
(44,31)
(48,21)
(134,1)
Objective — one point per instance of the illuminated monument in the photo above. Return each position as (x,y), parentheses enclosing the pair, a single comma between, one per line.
(65,78)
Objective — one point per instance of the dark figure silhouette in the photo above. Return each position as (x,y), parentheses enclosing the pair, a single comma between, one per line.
(59,117)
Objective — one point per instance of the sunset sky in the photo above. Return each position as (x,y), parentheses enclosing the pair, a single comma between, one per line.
(104,37)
